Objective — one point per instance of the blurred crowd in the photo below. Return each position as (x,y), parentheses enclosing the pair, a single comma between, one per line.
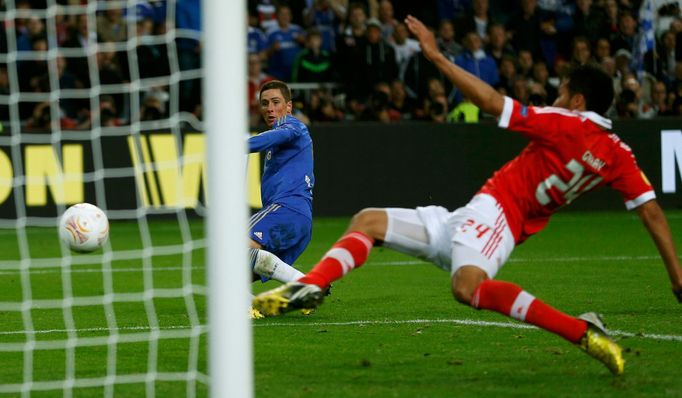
(115,64)
(108,67)
(520,47)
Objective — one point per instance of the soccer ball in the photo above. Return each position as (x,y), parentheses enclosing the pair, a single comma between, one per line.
(84,227)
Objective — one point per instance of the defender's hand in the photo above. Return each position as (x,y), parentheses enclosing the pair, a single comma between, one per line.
(426,39)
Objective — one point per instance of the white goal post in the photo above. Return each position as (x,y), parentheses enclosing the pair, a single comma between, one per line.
(230,364)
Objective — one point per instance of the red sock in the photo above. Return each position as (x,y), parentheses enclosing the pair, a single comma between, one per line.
(350,252)
(509,299)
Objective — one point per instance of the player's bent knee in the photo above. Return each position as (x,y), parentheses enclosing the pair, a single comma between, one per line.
(463,293)
(371,221)
(465,282)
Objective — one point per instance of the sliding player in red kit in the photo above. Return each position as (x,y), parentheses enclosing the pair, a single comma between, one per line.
(571,152)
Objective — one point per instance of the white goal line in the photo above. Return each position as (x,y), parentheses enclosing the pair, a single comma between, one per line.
(256,324)
(77,268)
(463,322)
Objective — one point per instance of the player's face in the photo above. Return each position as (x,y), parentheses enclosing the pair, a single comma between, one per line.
(273,106)
(575,102)
(563,100)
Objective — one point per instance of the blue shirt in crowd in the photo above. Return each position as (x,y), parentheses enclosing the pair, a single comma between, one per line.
(280,62)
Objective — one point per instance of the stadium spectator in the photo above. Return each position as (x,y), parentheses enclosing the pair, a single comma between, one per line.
(476,20)
(404,46)
(507,76)
(31,71)
(602,49)
(627,32)
(434,105)
(387,19)
(326,16)
(257,42)
(400,102)
(473,242)
(498,46)
(446,39)
(475,61)
(588,20)
(313,64)
(80,37)
(662,62)
(611,17)
(263,12)
(450,9)
(321,107)
(541,77)
(284,42)
(581,53)
(524,28)
(521,91)
(626,104)
(188,18)
(152,58)
(352,33)
(374,61)
(661,103)
(154,105)
(257,78)
(464,112)
(378,109)
(66,81)
(622,58)
(282,229)
(108,112)
(525,63)
(111,26)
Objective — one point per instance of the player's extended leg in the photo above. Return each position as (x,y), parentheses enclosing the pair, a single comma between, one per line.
(471,286)
(348,253)
(268,265)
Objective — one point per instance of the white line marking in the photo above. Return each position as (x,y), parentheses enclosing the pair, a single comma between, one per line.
(80,269)
(465,322)
(256,324)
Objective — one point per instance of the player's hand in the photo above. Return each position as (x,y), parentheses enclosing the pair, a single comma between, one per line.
(426,39)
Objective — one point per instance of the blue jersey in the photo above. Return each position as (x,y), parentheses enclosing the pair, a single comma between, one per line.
(281,61)
(288,177)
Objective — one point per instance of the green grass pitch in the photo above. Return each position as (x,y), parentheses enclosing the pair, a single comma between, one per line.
(390,329)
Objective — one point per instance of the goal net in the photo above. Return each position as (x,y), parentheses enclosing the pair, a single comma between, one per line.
(100,102)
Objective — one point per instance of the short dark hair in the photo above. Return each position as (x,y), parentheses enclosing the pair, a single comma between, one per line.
(594,84)
(277,85)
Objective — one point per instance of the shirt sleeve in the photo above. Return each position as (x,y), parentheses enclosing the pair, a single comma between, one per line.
(631,182)
(272,138)
(536,123)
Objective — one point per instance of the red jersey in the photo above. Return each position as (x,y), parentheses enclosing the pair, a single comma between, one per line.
(570,153)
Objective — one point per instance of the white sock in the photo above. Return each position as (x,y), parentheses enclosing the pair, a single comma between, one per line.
(270,266)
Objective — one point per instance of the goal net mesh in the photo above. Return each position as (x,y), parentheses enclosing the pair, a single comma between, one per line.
(99,102)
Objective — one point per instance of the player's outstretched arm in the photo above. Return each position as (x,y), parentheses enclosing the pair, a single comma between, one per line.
(473,88)
(655,222)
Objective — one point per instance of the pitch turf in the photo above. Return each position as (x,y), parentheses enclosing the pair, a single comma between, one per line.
(390,329)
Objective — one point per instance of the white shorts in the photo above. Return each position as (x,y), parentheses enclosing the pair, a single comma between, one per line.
(476,234)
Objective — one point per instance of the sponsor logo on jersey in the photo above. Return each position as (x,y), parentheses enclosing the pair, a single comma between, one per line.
(524,111)
(259,235)
(593,161)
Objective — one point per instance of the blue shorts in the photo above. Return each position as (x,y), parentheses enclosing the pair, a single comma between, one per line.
(281,231)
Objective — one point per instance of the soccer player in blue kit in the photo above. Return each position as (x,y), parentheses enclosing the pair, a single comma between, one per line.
(282,229)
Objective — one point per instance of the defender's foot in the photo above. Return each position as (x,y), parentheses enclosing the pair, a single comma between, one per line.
(288,297)
(597,343)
